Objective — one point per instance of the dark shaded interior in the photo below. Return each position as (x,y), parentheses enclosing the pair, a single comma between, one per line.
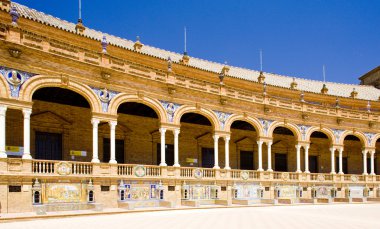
(283,130)
(317,134)
(195,118)
(138,109)
(242,125)
(352,138)
(60,96)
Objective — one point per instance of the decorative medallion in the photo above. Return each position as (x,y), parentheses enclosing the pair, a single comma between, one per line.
(337,134)
(303,129)
(222,117)
(105,96)
(285,176)
(198,173)
(64,168)
(354,178)
(266,124)
(139,171)
(369,137)
(244,175)
(15,79)
(321,177)
(170,109)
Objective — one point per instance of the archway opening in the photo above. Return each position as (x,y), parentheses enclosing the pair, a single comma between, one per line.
(243,146)
(352,155)
(137,135)
(319,153)
(60,125)
(196,144)
(283,150)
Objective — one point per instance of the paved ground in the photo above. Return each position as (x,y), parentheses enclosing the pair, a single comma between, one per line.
(278,217)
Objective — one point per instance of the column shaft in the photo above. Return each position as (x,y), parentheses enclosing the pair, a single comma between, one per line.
(373,162)
(176,153)
(3,110)
(365,162)
(95,156)
(269,144)
(26,154)
(216,151)
(341,160)
(298,147)
(307,159)
(112,142)
(332,149)
(260,155)
(163,160)
(227,152)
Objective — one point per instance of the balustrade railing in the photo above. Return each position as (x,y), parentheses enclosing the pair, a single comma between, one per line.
(81,168)
(43,167)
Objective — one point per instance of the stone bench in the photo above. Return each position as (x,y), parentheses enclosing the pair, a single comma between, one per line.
(131,205)
(42,209)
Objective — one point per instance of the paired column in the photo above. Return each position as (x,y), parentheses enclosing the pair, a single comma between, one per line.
(227,152)
(260,155)
(372,162)
(27,112)
(216,151)
(341,160)
(307,158)
(112,142)
(298,147)
(176,157)
(3,110)
(364,152)
(163,161)
(332,149)
(95,157)
(269,144)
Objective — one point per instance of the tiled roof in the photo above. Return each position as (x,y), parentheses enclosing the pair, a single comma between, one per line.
(335,89)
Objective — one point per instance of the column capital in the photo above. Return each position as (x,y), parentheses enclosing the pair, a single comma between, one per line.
(298,146)
(162,130)
(176,131)
(260,142)
(216,136)
(27,112)
(95,121)
(269,143)
(227,137)
(112,123)
(3,109)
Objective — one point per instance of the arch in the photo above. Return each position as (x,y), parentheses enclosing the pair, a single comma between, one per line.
(152,103)
(326,131)
(5,90)
(253,121)
(41,81)
(374,140)
(290,126)
(209,114)
(360,135)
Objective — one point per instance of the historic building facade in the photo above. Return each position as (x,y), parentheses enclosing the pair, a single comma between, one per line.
(91,121)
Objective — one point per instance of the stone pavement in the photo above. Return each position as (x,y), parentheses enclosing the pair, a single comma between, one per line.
(346,216)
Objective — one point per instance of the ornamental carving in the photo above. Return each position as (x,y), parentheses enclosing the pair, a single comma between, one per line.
(170,109)
(222,118)
(303,129)
(105,96)
(285,176)
(337,135)
(63,168)
(198,173)
(354,178)
(244,175)
(321,177)
(369,137)
(15,79)
(139,171)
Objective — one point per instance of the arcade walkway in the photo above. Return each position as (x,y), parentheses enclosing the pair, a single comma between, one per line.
(308,216)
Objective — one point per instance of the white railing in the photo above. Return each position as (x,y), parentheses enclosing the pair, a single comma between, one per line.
(81,168)
(43,167)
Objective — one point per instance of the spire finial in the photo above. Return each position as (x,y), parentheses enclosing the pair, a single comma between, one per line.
(80,10)
(104,44)
(185,41)
(261,60)
(324,73)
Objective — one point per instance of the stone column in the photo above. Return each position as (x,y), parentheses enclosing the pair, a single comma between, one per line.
(3,110)
(307,159)
(112,142)
(260,155)
(227,152)
(95,157)
(216,151)
(176,154)
(163,161)
(298,147)
(364,152)
(341,160)
(372,162)
(27,112)
(269,144)
(332,149)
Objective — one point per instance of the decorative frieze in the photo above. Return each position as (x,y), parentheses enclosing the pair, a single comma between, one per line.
(222,118)
(337,134)
(266,124)
(369,137)
(303,129)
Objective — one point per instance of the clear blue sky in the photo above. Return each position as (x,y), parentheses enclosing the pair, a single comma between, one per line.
(297,37)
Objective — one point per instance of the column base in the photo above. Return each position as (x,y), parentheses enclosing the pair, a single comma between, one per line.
(341,173)
(3,155)
(373,174)
(298,171)
(163,164)
(307,171)
(365,174)
(269,170)
(95,160)
(27,156)
(216,167)
(260,170)
(176,165)
(333,173)
(113,162)
(227,168)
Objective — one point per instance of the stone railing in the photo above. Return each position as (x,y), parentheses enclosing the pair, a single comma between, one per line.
(67,50)
(37,168)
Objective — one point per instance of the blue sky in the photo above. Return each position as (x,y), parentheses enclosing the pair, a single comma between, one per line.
(297,36)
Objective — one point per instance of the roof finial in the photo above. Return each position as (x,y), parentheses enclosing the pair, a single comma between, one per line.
(369,106)
(169,64)
(185,37)
(138,45)
(324,73)
(15,15)
(185,58)
(80,11)
(261,60)
(104,44)
(79,26)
